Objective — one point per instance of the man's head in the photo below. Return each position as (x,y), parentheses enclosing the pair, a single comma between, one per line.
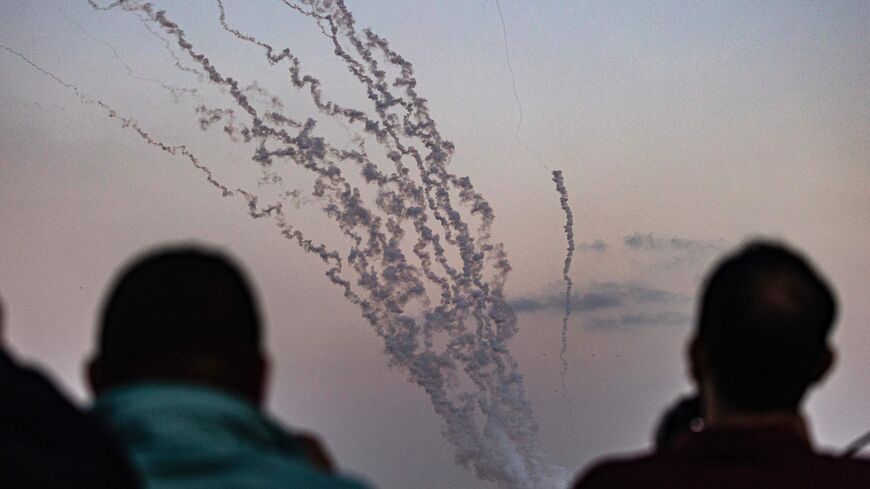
(183,314)
(762,334)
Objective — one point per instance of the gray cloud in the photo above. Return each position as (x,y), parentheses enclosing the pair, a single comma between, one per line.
(636,293)
(641,241)
(614,304)
(648,241)
(601,296)
(526,304)
(591,301)
(640,319)
(595,245)
(671,253)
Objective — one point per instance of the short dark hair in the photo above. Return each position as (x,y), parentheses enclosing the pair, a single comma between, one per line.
(764,322)
(175,306)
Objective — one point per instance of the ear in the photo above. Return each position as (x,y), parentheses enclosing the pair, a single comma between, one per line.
(2,325)
(94,376)
(697,360)
(826,364)
(264,372)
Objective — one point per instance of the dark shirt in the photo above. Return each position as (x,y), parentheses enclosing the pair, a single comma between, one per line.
(47,443)
(732,459)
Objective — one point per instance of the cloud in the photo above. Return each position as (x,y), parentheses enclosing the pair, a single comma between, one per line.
(614,304)
(636,293)
(640,241)
(673,253)
(647,241)
(591,301)
(601,296)
(666,317)
(595,245)
(526,304)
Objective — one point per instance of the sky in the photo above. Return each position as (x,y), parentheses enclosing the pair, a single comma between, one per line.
(682,129)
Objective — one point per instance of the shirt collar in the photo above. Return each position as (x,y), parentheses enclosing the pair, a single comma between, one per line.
(158,403)
(756,441)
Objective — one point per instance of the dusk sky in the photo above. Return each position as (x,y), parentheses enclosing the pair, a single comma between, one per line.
(682,129)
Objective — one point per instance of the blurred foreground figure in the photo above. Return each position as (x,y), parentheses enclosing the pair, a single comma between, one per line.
(180,374)
(47,443)
(761,342)
(681,419)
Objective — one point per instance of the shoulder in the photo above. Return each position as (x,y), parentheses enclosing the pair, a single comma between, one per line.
(847,472)
(302,475)
(621,471)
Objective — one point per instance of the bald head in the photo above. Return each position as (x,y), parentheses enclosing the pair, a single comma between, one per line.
(764,324)
(181,314)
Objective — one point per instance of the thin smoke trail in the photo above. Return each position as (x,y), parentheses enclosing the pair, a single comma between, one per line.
(169,51)
(328,256)
(176,92)
(507,55)
(569,284)
(421,266)
(166,44)
(516,93)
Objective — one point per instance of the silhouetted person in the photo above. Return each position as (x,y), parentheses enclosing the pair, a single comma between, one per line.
(678,421)
(47,443)
(180,374)
(761,342)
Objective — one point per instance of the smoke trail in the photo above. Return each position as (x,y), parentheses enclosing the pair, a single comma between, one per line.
(176,92)
(507,55)
(420,266)
(569,284)
(516,94)
(328,256)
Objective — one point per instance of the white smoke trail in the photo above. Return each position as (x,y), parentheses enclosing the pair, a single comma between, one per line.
(456,346)
(569,284)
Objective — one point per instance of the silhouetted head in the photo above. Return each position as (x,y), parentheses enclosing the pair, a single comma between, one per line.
(183,314)
(762,334)
(679,420)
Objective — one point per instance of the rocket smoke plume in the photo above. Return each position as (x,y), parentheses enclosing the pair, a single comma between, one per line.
(569,284)
(420,263)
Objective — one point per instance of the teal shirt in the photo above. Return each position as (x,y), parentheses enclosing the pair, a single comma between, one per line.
(184,436)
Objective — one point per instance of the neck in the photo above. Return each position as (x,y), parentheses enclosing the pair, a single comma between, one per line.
(719,415)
